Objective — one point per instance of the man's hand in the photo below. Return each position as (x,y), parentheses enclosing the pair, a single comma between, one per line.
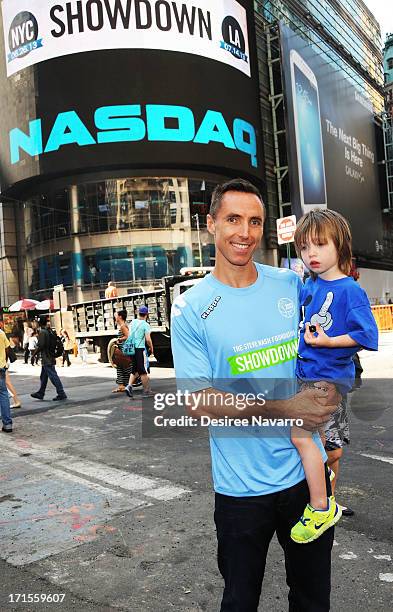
(314,405)
(330,395)
(319,341)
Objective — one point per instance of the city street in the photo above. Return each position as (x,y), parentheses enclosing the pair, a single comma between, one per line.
(116,521)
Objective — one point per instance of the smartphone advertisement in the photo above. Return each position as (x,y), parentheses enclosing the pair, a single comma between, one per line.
(331,142)
(309,145)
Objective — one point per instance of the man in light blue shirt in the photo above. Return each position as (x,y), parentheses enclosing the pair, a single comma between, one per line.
(140,331)
(234,336)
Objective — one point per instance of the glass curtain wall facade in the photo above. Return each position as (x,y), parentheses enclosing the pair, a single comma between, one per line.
(344,31)
(132,231)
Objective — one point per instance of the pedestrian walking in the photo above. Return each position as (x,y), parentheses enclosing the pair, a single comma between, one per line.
(14,341)
(33,343)
(27,333)
(122,373)
(16,403)
(140,331)
(68,346)
(48,347)
(82,350)
(257,472)
(4,398)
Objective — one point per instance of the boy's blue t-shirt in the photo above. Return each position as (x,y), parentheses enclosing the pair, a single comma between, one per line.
(243,340)
(340,307)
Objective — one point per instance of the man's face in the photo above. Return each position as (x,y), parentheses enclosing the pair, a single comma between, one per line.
(237,227)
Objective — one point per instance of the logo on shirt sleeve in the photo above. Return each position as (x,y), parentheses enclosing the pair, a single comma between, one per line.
(177,305)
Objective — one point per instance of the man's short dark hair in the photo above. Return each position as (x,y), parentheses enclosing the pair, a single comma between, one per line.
(43,320)
(122,314)
(239,185)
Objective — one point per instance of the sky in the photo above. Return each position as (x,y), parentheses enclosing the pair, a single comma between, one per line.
(383,11)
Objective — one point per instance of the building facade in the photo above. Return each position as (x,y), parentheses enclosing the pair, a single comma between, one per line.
(388,73)
(109,154)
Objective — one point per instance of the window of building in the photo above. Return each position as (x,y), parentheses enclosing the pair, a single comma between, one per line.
(133,231)
(390,63)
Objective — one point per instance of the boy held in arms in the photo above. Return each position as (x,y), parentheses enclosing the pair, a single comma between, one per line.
(338,323)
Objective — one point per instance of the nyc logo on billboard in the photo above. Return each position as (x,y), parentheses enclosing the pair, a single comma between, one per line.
(23,35)
(233,38)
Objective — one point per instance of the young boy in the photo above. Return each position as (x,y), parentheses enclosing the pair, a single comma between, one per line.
(338,323)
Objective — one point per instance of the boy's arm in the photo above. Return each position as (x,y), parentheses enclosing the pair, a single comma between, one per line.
(322,340)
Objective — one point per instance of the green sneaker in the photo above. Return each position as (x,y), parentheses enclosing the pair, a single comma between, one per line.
(314,523)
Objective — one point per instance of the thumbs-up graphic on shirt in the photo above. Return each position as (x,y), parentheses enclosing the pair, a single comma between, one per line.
(323,317)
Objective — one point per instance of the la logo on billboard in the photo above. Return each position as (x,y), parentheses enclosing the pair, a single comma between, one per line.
(234,37)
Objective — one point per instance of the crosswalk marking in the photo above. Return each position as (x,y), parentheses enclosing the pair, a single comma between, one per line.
(378,458)
(71,497)
(157,489)
(113,476)
(165,493)
(86,415)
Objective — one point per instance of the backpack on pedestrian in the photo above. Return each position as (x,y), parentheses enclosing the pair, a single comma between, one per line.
(128,346)
(55,345)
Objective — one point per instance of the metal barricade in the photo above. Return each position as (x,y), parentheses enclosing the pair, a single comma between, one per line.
(383,316)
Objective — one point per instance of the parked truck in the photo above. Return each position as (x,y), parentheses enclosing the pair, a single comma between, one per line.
(96,319)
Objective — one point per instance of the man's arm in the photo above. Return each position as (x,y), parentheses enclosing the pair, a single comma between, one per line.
(125,332)
(312,405)
(41,343)
(149,343)
(194,372)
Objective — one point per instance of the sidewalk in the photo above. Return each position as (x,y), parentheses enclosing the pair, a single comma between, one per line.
(379,364)
(82,383)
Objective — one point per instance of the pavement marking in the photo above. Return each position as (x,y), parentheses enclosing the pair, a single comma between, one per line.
(113,476)
(378,458)
(386,577)
(157,489)
(86,415)
(106,412)
(165,493)
(77,479)
(384,557)
(85,430)
(44,516)
(348,556)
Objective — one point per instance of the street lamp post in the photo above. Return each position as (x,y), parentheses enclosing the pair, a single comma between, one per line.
(196,217)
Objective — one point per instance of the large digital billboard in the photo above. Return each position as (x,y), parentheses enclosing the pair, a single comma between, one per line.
(35,31)
(331,141)
(92,105)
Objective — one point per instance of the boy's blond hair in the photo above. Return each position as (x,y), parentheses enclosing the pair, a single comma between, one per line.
(320,225)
